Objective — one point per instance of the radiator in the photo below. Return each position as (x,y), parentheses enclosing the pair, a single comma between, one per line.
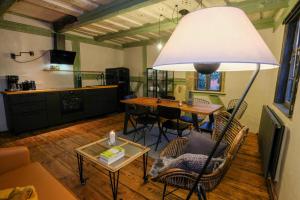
(271,132)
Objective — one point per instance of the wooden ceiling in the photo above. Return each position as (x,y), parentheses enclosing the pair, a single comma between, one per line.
(128,23)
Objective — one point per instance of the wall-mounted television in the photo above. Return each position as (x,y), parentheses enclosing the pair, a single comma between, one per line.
(62,57)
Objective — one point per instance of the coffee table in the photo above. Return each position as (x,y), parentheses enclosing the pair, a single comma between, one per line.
(92,151)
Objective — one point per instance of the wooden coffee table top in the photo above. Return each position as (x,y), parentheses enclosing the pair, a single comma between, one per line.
(93,150)
(205,109)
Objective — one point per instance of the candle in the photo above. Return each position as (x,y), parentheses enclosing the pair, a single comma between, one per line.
(112,137)
(180,103)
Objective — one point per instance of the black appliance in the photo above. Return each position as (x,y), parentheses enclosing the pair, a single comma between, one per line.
(71,102)
(12,83)
(62,57)
(119,76)
(28,85)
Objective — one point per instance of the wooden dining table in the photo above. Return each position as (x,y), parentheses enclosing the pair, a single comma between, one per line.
(195,109)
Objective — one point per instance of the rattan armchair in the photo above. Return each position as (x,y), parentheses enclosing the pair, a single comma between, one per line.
(185,179)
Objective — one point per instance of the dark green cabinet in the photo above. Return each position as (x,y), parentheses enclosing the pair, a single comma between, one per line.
(26,112)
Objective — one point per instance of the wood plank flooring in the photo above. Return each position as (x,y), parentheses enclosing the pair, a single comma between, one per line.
(54,149)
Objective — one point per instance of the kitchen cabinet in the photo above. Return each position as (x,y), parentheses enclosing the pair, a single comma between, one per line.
(30,111)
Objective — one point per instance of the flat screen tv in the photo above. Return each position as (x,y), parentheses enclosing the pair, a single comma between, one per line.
(62,57)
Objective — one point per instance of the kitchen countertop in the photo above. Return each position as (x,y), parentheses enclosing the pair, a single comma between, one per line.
(56,90)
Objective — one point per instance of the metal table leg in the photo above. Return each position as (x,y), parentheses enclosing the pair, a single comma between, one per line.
(80,169)
(126,120)
(195,121)
(145,163)
(114,182)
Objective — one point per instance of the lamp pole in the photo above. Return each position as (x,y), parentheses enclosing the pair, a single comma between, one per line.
(223,133)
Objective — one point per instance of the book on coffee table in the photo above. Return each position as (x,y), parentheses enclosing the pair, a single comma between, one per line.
(111,155)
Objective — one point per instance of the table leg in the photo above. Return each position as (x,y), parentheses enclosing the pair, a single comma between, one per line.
(195,121)
(211,118)
(80,169)
(114,182)
(126,120)
(145,163)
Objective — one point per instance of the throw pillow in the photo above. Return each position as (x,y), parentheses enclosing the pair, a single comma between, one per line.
(19,193)
(201,143)
(189,162)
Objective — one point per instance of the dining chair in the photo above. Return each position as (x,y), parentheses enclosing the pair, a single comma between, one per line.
(188,119)
(185,179)
(169,119)
(232,104)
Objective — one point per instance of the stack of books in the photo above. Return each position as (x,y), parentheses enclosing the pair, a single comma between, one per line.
(111,155)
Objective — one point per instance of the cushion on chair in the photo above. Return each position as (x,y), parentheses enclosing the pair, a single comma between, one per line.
(189,119)
(202,144)
(188,162)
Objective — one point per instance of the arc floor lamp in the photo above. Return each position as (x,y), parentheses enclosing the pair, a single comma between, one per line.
(217,38)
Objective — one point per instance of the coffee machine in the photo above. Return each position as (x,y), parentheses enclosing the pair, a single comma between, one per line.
(12,83)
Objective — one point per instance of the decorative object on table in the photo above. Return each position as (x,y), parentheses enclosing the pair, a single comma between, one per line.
(224,40)
(112,155)
(179,103)
(111,137)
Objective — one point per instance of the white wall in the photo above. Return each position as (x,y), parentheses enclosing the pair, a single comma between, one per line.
(97,58)
(263,89)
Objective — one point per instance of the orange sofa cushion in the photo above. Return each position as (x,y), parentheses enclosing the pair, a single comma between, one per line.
(47,187)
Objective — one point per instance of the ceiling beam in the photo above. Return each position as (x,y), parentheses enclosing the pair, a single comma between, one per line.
(154,27)
(24,28)
(106,11)
(5,5)
(259,24)
(259,5)
(145,42)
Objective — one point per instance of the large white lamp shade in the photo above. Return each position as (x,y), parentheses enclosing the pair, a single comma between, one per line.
(222,35)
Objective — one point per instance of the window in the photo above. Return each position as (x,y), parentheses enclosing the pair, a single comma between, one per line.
(210,82)
(288,76)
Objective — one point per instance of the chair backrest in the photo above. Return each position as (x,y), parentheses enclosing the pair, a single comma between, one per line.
(232,104)
(221,120)
(168,112)
(168,97)
(130,96)
(199,100)
(235,137)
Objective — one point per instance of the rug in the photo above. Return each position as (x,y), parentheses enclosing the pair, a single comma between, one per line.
(151,139)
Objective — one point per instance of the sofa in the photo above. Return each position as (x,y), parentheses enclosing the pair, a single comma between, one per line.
(16,169)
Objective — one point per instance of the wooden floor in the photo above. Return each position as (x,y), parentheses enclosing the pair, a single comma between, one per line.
(55,150)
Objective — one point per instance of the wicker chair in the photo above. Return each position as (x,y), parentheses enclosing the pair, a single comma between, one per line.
(185,179)
(231,105)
